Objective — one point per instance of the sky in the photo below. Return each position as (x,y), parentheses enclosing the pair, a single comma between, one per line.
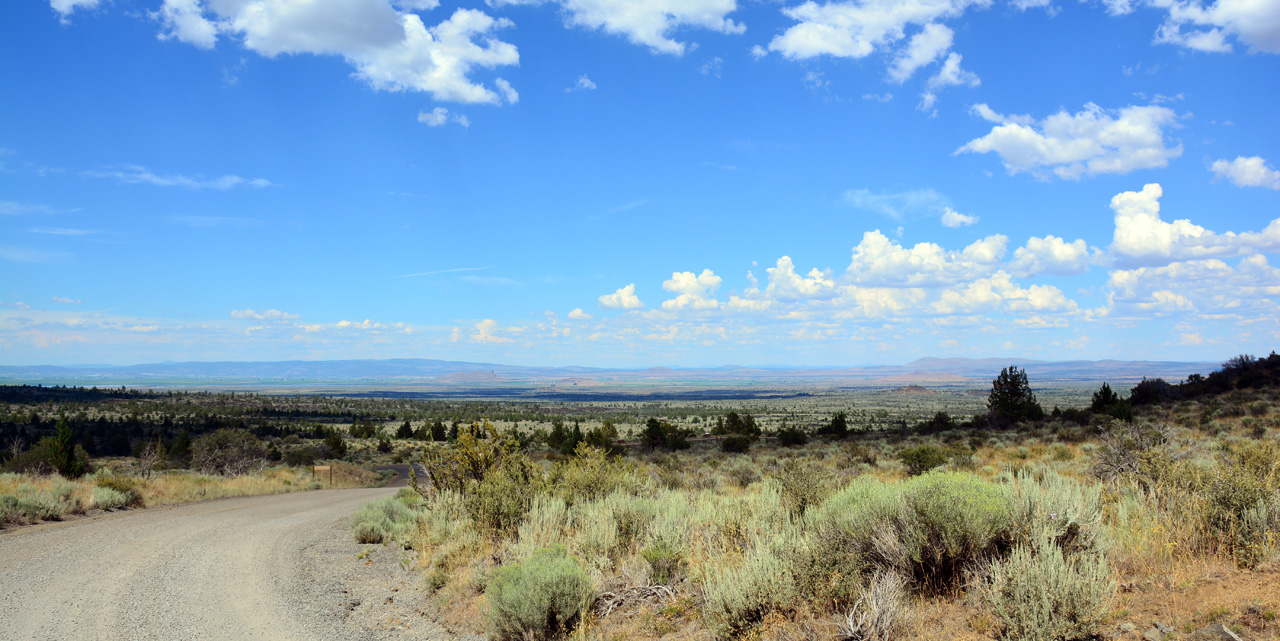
(633,183)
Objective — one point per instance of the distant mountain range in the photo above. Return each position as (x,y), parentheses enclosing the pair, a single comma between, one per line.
(403,372)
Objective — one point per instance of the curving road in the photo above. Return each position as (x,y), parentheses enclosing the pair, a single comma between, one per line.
(279,567)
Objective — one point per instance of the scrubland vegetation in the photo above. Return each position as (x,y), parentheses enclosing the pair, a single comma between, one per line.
(1019,523)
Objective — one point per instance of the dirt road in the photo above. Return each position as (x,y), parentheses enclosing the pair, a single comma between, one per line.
(278,567)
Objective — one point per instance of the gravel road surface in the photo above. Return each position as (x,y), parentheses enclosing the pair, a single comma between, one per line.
(280,567)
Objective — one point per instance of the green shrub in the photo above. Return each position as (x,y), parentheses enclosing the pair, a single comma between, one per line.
(540,597)
(500,501)
(792,437)
(128,486)
(109,499)
(827,564)
(802,485)
(1057,508)
(952,520)
(922,458)
(1038,594)
(368,532)
(736,443)
(590,474)
(739,597)
(384,520)
(666,564)
(227,451)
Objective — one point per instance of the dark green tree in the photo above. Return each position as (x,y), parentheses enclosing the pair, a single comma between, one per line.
(405,431)
(62,452)
(1011,399)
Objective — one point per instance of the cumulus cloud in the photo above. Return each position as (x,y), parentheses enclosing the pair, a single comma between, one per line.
(184,20)
(1192,24)
(999,290)
(134,174)
(485,332)
(270,314)
(878,261)
(897,205)
(693,291)
(68,301)
(646,22)
(1050,255)
(66,7)
(1092,141)
(1249,288)
(785,284)
(1142,237)
(624,298)
(953,218)
(388,44)
(578,314)
(857,28)
(1247,172)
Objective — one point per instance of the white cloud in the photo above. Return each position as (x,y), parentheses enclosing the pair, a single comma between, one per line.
(389,47)
(857,28)
(952,75)
(624,298)
(1209,285)
(440,116)
(485,332)
(1247,172)
(953,218)
(693,291)
(878,261)
(184,20)
(133,174)
(923,48)
(66,7)
(1093,141)
(712,67)
(16,305)
(786,285)
(578,314)
(582,83)
(269,314)
(997,290)
(508,92)
(646,22)
(1141,237)
(1255,23)
(1050,255)
(68,301)
(897,205)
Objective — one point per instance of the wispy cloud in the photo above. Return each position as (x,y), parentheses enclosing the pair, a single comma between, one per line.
(26,255)
(897,205)
(135,174)
(451,270)
(11,208)
(628,206)
(214,221)
(68,301)
(62,231)
(491,281)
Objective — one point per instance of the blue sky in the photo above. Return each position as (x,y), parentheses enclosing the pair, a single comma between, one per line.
(636,183)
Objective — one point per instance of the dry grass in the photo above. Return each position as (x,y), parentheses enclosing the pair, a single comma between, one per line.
(26,498)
